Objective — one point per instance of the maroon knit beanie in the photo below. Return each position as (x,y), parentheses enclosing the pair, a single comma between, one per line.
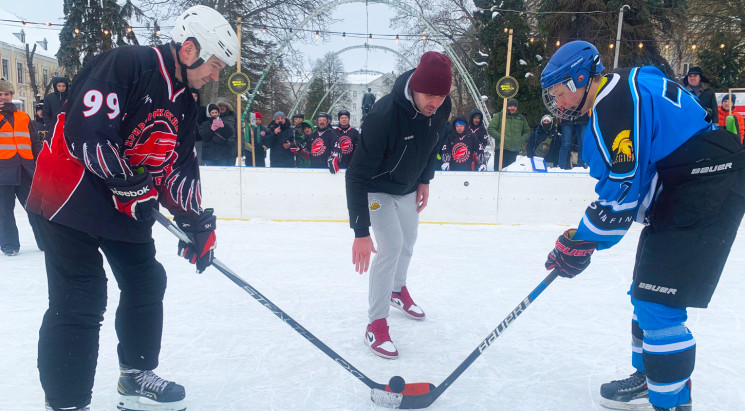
(433,75)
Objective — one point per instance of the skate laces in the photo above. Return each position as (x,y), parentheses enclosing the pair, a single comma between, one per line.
(636,379)
(148,380)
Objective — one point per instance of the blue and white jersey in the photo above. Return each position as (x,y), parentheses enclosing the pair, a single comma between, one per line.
(638,118)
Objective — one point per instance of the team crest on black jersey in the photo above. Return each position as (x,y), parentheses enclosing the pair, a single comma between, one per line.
(623,148)
(460,152)
(345,144)
(317,147)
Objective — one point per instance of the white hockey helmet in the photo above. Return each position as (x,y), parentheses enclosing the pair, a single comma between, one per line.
(211,31)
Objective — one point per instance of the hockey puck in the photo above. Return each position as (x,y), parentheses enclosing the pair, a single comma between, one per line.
(465,183)
(397,384)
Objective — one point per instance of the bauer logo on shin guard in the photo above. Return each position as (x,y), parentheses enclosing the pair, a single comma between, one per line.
(658,288)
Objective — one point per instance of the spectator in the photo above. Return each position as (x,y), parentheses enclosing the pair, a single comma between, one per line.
(278,140)
(348,139)
(39,121)
(299,146)
(699,85)
(297,121)
(545,141)
(259,133)
(568,130)
(19,148)
(202,116)
(53,101)
(321,142)
(218,136)
(737,124)
(446,129)
(476,126)
(516,133)
(462,151)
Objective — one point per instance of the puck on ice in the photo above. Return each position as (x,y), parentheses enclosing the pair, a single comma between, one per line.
(397,384)
(465,183)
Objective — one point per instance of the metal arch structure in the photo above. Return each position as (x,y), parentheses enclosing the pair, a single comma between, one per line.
(335,102)
(473,90)
(304,88)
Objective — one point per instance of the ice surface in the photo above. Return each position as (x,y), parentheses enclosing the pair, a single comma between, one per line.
(233,354)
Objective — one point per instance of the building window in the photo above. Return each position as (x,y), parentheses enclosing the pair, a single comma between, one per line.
(45,77)
(354,94)
(21,77)
(354,106)
(6,69)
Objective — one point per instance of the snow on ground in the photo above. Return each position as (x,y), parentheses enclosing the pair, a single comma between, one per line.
(233,354)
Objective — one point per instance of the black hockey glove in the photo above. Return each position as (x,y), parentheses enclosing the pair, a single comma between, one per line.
(201,232)
(135,197)
(570,257)
(333,163)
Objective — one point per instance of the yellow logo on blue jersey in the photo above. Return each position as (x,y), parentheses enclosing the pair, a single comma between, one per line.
(623,148)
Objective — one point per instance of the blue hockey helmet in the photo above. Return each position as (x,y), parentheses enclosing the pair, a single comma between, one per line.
(574,65)
(577,61)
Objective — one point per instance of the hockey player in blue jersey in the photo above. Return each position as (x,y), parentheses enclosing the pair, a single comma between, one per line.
(660,162)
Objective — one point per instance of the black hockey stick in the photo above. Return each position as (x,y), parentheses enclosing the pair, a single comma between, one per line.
(380,389)
(393,400)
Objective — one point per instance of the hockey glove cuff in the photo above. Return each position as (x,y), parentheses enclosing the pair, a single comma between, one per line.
(333,164)
(445,166)
(482,167)
(201,231)
(135,197)
(570,257)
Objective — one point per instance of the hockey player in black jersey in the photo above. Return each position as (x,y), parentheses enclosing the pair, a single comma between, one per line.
(347,139)
(123,144)
(321,142)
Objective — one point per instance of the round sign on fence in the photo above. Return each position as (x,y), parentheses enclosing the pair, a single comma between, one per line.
(239,83)
(507,87)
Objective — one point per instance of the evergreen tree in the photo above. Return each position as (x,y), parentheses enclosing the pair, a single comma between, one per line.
(316,90)
(724,66)
(527,56)
(91,27)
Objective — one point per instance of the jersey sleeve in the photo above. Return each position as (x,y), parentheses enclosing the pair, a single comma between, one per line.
(94,114)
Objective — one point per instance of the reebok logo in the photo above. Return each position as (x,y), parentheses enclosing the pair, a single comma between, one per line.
(712,169)
(658,288)
(137,193)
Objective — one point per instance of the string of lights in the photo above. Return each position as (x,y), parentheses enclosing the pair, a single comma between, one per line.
(639,43)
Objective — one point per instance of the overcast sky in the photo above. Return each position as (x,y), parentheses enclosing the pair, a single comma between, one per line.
(352,19)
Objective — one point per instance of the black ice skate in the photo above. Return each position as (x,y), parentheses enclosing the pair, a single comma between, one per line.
(628,394)
(143,390)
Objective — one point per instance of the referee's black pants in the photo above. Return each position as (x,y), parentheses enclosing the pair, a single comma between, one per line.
(68,338)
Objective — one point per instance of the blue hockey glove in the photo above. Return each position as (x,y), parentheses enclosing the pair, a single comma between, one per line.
(570,257)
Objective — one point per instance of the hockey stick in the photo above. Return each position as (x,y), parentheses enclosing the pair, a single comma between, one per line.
(393,400)
(377,389)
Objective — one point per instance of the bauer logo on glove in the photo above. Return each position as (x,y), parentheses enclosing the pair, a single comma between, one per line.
(570,257)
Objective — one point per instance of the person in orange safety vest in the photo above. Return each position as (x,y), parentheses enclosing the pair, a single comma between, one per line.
(19,144)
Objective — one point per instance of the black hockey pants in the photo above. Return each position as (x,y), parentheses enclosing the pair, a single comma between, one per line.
(693,222)
(68,338)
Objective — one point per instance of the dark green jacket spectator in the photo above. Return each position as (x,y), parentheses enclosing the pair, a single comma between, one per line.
(516,131)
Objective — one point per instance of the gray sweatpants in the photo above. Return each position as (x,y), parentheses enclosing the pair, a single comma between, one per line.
(394,221)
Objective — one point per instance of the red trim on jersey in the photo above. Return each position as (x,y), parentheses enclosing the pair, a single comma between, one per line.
(172,94)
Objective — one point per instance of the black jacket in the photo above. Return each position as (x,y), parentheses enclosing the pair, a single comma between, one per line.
(219,145)
(53,103)
(397,151)
(278,155)
(478,131)
(147,119)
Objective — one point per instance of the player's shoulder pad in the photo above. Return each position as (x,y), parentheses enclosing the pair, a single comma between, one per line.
(613,123)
